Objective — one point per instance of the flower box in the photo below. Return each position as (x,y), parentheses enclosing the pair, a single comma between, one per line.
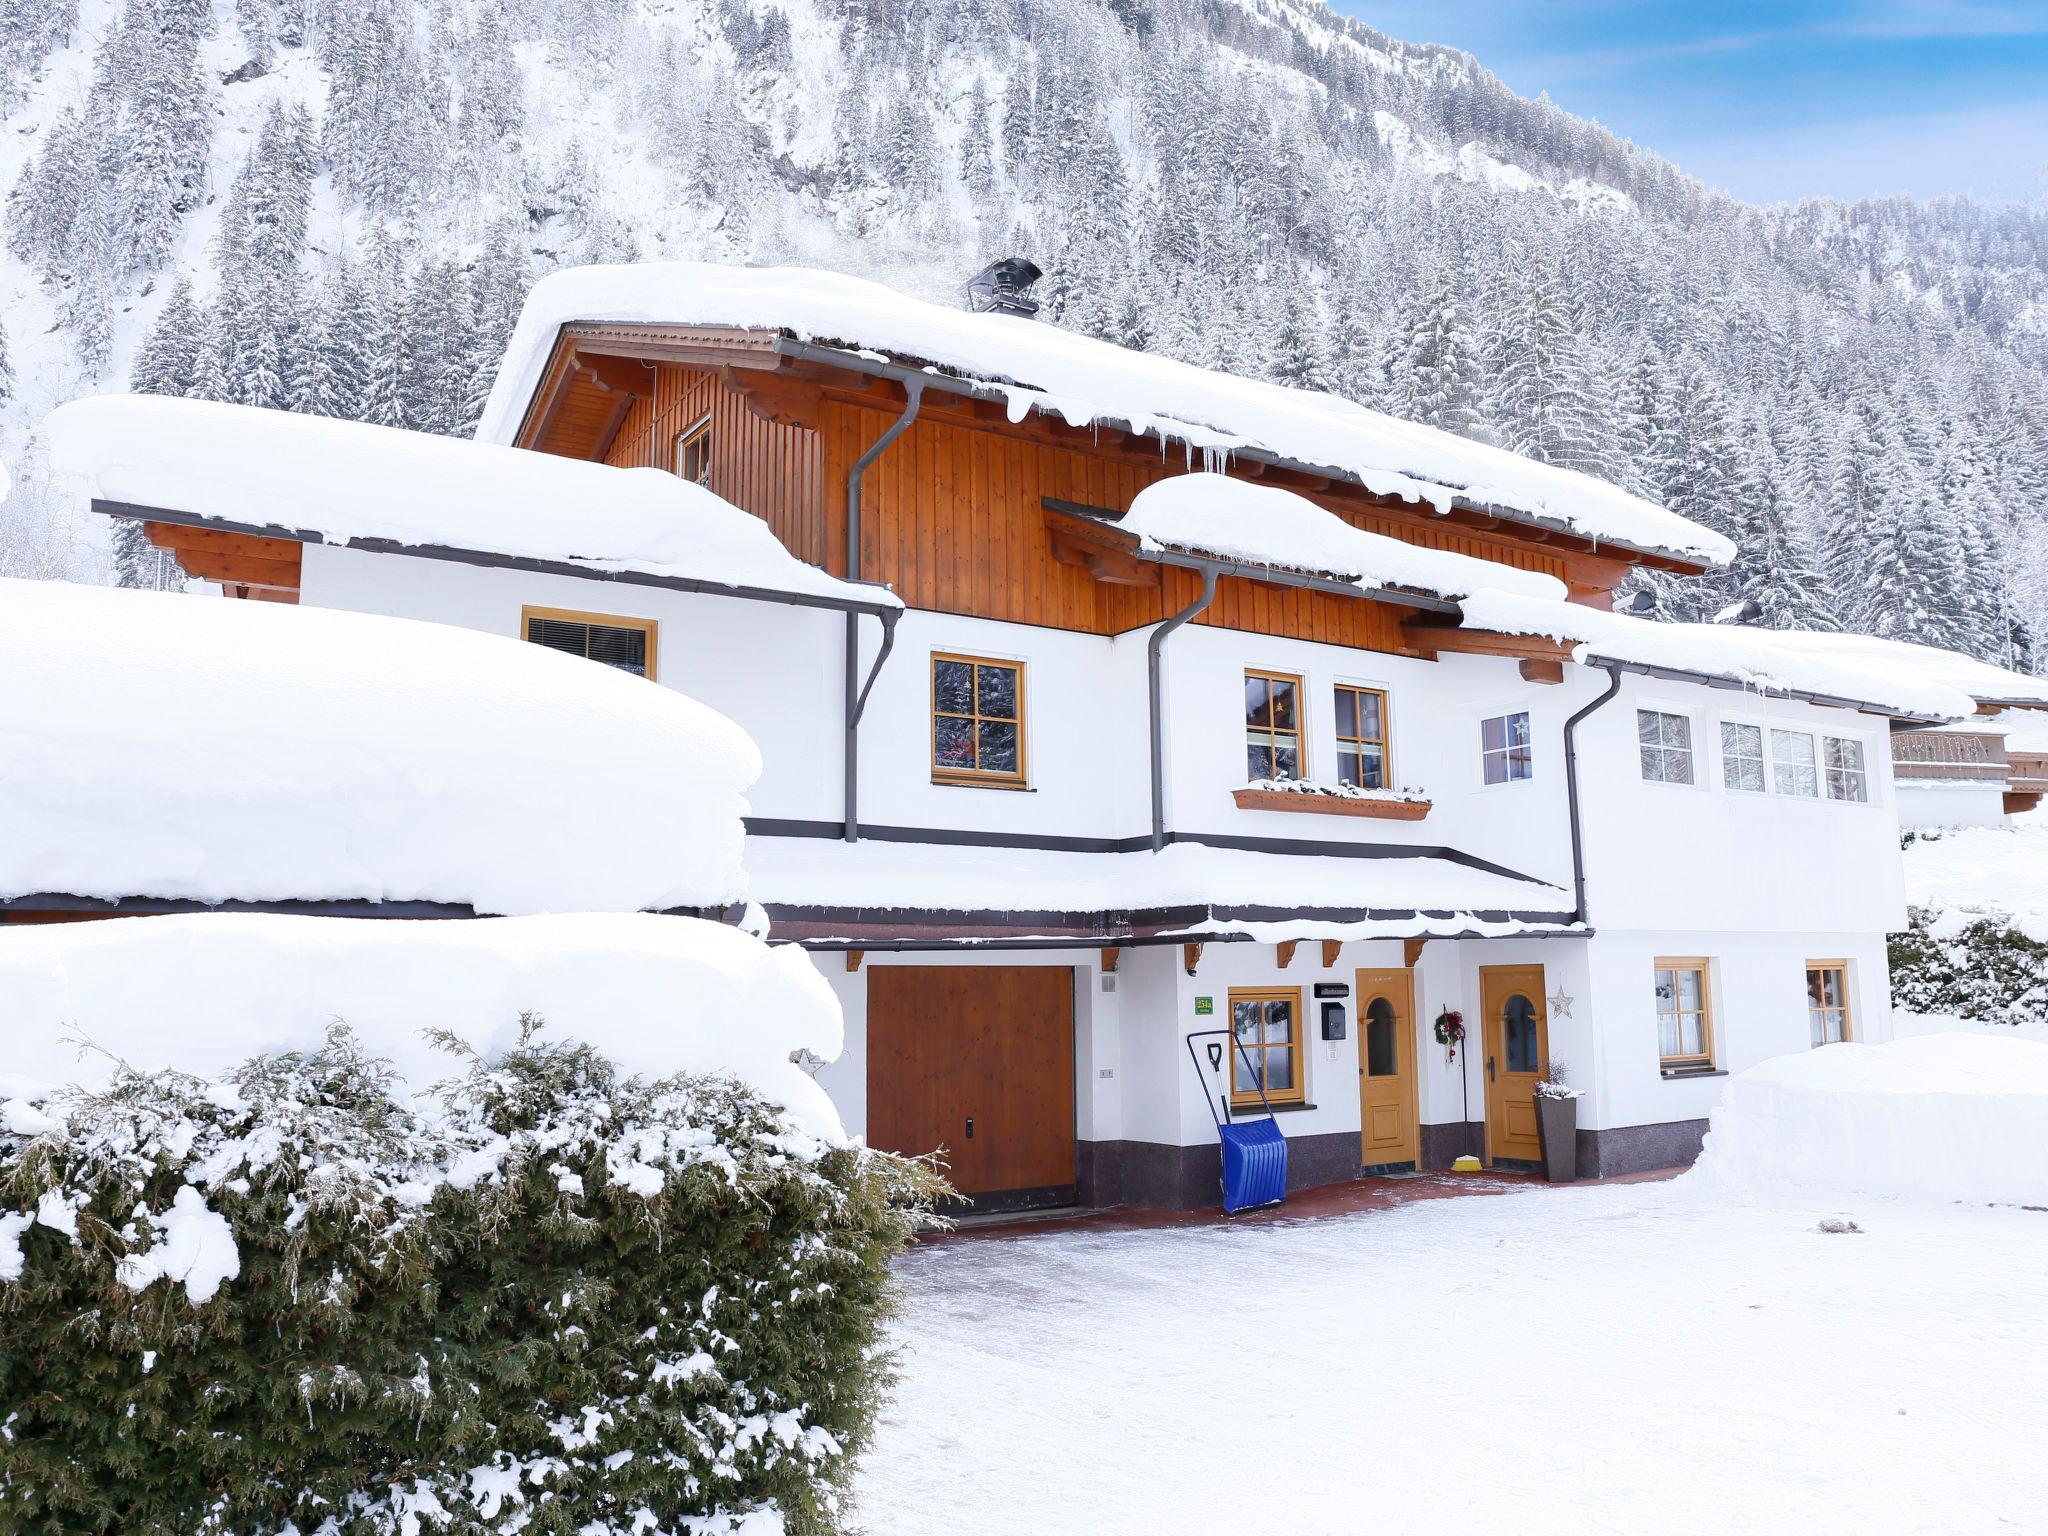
(1331,799)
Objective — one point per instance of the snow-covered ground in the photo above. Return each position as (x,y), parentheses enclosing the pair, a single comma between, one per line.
(1701,1355)
(1638,1357)
(1985,869)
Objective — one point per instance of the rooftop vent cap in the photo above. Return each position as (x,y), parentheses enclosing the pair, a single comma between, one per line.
(998,288)
(1747,611)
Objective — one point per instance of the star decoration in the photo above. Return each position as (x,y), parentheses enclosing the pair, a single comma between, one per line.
(1560,1004)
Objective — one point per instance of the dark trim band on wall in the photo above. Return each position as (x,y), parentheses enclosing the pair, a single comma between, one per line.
(970,837)
(493,561)
(163,906)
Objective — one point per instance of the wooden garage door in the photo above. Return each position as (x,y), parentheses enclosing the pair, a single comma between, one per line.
(993,1045)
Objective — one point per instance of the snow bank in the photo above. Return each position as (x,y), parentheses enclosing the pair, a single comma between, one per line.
(1942,1117)
(1919,680)
(2026,730)
(203,993)
(1212,514)
(2000,871)
(200,749)
(1082,380)
(875,876)
(343,480)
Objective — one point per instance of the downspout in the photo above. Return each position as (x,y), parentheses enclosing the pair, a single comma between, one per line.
(857,696)
(1571,789)
(1153,648)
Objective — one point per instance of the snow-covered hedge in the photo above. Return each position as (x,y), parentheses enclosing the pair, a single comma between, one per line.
(547,1298)
(1974,965)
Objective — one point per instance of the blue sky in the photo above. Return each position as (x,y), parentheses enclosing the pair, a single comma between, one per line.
(1780,101)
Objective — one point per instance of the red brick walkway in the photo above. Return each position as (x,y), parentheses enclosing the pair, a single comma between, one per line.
(1372,1194)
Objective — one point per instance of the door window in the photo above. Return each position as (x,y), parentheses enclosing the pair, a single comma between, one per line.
(1382,1048)
(1518,1029)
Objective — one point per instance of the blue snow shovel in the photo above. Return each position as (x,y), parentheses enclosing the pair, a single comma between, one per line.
(1254,1151)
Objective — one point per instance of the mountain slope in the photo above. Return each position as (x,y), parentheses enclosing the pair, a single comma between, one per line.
(359,190)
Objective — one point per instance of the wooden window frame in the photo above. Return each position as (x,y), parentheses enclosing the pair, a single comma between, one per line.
(1704,1061)
(1297,1047)
(1384,741)
(1300,731)
(1506,752)
(649,627)
(986,778)
(699,428)
(1848,1008)
(1691,749)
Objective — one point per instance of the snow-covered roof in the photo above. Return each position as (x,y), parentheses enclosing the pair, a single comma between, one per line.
(1187,886)
(317,478)
(1263,525)
(203,993)
(1037,366)
(2026,730)
(195,749)
(1892,676)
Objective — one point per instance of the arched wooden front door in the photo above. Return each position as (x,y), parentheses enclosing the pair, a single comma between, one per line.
(1515,1046)
(1388,1128)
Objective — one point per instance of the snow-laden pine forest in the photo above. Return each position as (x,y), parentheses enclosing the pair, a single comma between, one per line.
(336,205)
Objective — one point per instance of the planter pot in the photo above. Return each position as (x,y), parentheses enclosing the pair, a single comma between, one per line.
(1557,1127)
(1329,805)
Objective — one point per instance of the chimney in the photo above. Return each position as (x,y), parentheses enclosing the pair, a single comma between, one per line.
(998,288)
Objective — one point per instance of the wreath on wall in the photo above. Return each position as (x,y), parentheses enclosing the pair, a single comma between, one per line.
(1450,1033)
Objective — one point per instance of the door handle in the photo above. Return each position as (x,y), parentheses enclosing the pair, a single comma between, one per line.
(970,1127)
(1489,1069)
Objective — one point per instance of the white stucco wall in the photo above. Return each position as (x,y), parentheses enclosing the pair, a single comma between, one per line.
(1929,803)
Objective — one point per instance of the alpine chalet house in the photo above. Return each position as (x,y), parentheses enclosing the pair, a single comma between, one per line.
(1135,699)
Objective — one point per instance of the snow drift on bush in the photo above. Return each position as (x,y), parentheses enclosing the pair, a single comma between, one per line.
(1944,1117)
(202,994)
(158,745)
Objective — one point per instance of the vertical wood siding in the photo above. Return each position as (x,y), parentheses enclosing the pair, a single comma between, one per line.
(952,516)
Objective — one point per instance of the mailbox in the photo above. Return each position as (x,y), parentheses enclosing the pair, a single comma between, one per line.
(1333,1021)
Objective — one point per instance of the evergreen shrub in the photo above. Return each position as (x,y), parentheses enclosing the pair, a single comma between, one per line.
(544,1298)
(1974,965)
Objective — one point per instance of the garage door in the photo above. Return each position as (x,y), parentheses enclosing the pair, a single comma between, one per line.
(978,1060)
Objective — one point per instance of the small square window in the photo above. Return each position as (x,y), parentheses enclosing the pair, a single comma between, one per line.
(1843,759)
(1505,755)
(1664,744)
(1792,765)
(1266,1048)
(1742,757)
(977,721)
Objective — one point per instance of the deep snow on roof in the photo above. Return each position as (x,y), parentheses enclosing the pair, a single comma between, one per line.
(1237,520)
(203,993)
(1082,380)
(879,877)
(1920,681)
(205,749)
(345,480)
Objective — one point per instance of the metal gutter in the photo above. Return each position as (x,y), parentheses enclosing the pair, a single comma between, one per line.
(1712,680)
(856,695)
(875,366)
(1571,789)
(494,561)
(1156,720)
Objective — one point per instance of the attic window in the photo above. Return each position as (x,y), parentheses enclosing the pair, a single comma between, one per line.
(693,453)
(627,644)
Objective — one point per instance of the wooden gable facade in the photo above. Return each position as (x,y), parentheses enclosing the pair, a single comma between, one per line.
(954,513)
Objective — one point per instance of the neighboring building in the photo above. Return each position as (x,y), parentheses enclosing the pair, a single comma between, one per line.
(1980,772)
(1318,751)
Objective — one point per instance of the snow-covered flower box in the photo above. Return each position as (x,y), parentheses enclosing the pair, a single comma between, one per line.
(1332,799)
